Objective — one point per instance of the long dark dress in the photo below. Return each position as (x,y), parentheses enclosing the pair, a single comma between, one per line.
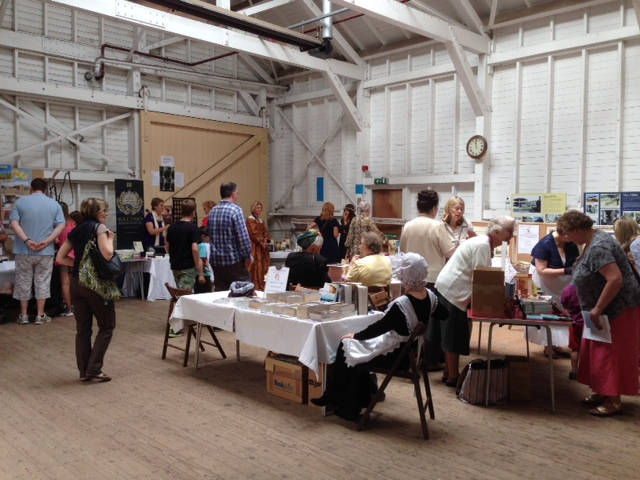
(330,249)
(342,244)
(350,389)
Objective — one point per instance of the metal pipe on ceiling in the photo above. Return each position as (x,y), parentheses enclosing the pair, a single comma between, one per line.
(233,19)
(327,22)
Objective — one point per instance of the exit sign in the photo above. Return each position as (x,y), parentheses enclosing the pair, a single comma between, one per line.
(380,181)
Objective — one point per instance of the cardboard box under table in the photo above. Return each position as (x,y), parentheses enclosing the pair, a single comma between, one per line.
(286,377)
(487,296)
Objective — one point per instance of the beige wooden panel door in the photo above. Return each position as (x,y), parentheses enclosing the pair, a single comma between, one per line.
(208,153)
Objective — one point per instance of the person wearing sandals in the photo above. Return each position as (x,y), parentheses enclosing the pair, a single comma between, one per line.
(350,387)
(606,286)
(88,302)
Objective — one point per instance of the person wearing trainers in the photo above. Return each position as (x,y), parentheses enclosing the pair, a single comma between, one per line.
(37,221)
(87,303)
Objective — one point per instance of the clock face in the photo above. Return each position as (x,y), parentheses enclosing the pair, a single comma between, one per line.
(476,146)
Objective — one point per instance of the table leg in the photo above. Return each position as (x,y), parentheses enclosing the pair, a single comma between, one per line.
(526,334)
(198,335)
(552,382)
(238,350)
(479,335)
(141,280)
(486,388)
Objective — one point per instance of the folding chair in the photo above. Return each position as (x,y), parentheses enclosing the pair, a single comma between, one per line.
(413,351)
(190,328)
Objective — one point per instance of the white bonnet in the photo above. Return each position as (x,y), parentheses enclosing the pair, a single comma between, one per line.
(411,269)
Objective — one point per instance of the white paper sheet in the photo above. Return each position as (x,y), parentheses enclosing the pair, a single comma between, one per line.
(167,161)
(591,332)
(277,279)
(155,179)
(179,179)
(528,236)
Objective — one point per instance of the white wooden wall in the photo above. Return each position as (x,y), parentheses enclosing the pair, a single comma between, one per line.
(45,49)
(566,109)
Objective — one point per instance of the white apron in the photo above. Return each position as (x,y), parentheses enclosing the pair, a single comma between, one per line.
(362,351)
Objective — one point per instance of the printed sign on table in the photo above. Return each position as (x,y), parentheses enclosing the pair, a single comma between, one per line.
(277,279)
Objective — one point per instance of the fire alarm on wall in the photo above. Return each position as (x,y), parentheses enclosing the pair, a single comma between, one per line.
(365,168)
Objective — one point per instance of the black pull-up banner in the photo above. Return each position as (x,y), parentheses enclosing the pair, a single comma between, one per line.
(129,212)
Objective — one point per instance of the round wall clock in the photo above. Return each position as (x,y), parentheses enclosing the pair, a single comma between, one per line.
(477,146)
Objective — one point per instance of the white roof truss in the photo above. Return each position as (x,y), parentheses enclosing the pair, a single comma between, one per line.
(228,38)
(264,6)
(636,7)
(470,13)
(418,22)
(469,83)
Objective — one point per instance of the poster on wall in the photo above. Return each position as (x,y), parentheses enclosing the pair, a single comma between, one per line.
(167,174)
(538,207)
(129,212)
(604,208)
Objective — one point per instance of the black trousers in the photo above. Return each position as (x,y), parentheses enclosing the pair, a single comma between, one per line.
(225,276)
(86,305)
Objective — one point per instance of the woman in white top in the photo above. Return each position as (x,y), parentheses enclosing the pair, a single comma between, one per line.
(455,224)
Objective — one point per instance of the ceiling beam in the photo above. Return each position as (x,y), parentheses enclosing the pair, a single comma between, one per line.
(264,6)
(492,13)
(343,45)
(224,37)
(256,68)
(468,80)
(546,10)
(420,23)
(636,7)
(470,13)
(350,110)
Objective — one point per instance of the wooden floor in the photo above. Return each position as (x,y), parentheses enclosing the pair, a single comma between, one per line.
(157,420)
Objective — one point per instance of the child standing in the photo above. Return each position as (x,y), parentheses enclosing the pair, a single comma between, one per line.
(203,248)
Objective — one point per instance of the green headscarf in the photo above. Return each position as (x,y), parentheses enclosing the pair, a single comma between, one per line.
(305,239)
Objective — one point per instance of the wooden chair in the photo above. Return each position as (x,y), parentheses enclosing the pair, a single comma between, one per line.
(190,329)
(379,298)
(413,350)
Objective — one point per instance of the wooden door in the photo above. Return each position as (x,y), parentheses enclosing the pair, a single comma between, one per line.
(208,153)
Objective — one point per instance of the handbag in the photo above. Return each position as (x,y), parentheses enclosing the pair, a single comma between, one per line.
(473,380)
(88,276)
(106,270)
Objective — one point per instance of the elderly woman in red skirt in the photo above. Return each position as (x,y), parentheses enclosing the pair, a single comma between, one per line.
(606,286)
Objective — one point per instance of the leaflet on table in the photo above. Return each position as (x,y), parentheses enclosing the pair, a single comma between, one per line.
(277,278)
(591,332)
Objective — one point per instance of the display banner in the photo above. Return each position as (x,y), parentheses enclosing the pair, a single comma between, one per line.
(538,207)
(129,212)
(604,208)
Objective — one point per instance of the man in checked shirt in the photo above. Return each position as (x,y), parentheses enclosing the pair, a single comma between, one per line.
(230,247)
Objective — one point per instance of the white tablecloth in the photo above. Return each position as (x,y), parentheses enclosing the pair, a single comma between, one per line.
(131,282)
(159,270)
(7,276)
(201,308)
(310,341)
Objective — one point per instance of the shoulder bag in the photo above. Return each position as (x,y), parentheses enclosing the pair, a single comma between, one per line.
(106,270)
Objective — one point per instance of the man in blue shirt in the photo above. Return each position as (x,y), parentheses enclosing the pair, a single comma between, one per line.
(37,221)
(230,247)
